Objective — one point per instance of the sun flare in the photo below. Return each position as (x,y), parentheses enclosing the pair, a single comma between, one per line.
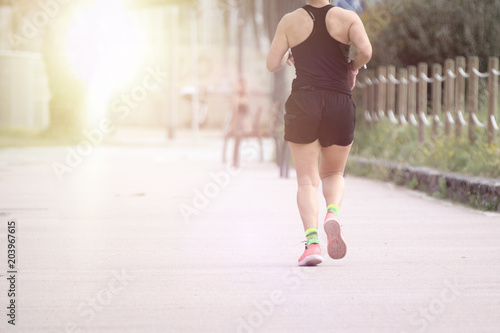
(104,48)
(104,38)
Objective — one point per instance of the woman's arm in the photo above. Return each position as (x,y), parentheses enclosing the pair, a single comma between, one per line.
(359,38)
(279,53)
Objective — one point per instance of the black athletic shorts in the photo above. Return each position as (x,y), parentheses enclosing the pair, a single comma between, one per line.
(318,114)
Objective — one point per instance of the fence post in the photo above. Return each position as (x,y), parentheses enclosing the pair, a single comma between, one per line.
(391,90)
(412,92)
(449,102)
(492,98)
(437,88)
(366,97)
(473,96)
(373,105)
(402,96)
(422,101)
(382,91)
(459,95)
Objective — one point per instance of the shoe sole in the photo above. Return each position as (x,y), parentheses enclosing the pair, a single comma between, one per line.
(336,245)
(311,260)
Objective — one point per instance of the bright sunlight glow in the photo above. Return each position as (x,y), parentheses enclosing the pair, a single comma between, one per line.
(104,48)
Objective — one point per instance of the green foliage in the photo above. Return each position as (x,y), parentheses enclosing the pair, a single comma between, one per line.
(443,189)
(414,183)
(20,138)
(390,142)
(408,32)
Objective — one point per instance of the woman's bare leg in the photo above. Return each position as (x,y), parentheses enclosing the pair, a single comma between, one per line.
(332,166)
(305,158)
(331,170)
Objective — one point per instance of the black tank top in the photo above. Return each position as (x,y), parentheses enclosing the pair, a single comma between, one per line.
(321,62)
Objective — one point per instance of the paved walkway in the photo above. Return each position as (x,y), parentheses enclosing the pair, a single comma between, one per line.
(164,238)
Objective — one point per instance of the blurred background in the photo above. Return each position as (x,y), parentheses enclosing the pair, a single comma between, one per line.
(67,65)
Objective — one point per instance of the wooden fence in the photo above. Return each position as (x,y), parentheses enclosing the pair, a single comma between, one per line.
(402,96)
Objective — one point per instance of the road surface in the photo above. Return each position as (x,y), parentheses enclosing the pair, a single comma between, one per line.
(165,238)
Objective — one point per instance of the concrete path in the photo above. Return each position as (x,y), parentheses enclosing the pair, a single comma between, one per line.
(165,238)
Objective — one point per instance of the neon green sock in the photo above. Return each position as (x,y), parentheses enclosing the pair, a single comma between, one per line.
(333,209)
(312,236)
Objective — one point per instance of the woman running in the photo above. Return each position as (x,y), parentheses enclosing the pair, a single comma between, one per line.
(320,114)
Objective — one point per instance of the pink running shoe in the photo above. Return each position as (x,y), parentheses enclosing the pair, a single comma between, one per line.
(311,256)
(336,245)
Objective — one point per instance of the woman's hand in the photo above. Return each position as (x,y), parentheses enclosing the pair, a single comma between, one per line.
(352,80)
(352,74)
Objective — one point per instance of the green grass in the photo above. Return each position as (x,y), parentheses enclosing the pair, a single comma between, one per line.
(386,141)
(13,138)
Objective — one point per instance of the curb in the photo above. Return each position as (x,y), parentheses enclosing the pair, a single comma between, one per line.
(477,192)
